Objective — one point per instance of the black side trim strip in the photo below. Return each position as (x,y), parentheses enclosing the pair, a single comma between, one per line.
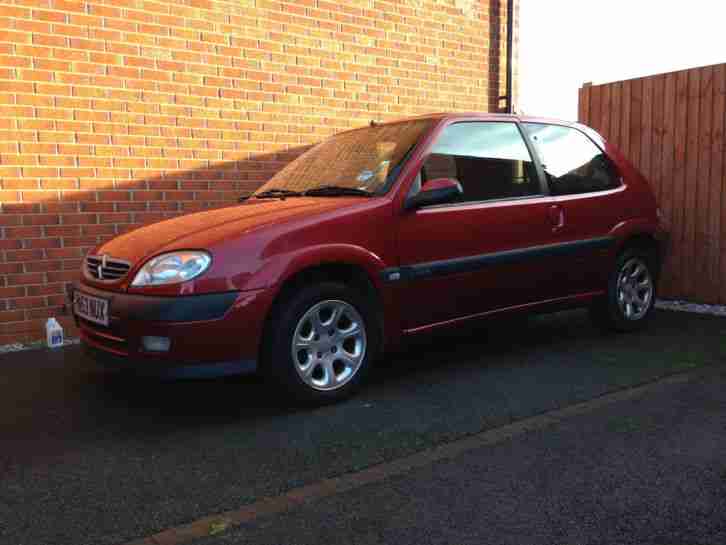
(508,257)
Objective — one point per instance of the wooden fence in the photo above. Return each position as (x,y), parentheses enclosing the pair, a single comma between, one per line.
(671,126)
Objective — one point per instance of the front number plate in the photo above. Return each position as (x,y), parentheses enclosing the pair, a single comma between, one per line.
(93,309)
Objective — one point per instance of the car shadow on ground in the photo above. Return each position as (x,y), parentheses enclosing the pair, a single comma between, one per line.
(450,350)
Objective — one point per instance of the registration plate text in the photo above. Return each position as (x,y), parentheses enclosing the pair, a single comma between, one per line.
(93,309)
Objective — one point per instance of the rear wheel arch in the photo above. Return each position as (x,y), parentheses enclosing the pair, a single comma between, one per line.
(643,241)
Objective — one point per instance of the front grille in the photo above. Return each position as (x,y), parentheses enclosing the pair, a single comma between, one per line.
(102,267)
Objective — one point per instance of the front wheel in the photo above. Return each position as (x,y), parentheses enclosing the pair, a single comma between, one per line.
(631,293)
(321,343)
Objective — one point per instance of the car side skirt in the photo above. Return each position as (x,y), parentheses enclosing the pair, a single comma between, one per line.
(560,303)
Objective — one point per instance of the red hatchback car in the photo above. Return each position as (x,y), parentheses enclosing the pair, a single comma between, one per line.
(375,235)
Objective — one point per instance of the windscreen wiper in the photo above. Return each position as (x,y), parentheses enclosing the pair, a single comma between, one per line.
(278,193)
(336,190)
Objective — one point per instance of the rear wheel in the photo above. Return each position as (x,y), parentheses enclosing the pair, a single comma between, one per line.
(631,293)
(321,343)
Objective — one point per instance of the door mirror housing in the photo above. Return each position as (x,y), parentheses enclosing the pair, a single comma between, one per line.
(437,191)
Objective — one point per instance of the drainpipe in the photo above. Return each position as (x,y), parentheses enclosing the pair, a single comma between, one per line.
(510,48)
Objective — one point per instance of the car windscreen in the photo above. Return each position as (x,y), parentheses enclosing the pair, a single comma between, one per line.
(366,159)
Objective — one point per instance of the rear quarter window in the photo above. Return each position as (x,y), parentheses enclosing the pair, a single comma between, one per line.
(572,162)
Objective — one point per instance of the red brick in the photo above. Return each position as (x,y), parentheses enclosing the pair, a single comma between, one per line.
(41,219)
(47,289)
(10,60)
(65,276)
(27,302)
(6,220)
(33,26)
(25,279)
(115,218)
(95,230)
(113,196)
(97,207)
(14,37)
(43,266)
(63,253)
(12,316)
(15,244)
(14,11)
(62,231)
(15,291)
(59,208)
(20,208)
(23,232)
(42,243)
(105,11)
(54,308)
(39,196)
(79,219)
(69,6)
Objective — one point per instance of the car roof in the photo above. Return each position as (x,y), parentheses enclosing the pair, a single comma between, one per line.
(480,115)
(483,116)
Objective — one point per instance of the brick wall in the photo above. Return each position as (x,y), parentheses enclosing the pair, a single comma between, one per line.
(116,113)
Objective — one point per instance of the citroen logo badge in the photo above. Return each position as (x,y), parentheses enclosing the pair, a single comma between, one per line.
(104,257)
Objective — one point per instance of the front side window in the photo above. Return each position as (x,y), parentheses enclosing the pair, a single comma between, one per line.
(572,162)
(366,160)
(489,159)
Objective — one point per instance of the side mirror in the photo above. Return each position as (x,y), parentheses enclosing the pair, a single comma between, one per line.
(438,191)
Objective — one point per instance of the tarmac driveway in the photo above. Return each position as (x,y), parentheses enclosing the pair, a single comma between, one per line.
(643,471)
(92,457)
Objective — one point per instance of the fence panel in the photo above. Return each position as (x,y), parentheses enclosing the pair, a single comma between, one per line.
(673,128)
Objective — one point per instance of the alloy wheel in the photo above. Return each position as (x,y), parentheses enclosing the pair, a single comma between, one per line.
(635,289)
(329,345)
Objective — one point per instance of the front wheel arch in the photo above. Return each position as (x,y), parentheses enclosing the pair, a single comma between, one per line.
(346,274)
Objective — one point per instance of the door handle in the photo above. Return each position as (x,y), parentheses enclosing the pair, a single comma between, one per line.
(557,217)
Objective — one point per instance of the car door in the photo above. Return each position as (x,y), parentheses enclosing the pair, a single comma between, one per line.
(482,252)
(586,193)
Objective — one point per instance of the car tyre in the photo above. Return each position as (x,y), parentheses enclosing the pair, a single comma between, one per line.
(321,343)
(631,292)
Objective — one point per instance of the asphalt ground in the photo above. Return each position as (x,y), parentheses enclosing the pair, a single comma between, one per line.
(88,456)
(648,471)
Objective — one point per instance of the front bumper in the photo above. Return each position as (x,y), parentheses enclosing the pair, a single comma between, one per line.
(211,334)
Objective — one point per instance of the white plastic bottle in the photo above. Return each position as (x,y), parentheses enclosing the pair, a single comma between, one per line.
(53,333)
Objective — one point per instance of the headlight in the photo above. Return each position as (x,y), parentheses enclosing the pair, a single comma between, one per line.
(172,268)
